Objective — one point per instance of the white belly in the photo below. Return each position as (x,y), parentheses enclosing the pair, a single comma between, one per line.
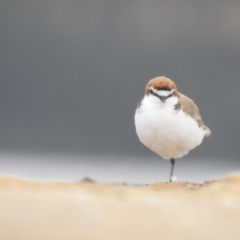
(167,132)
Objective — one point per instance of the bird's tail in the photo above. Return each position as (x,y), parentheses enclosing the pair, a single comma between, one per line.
(207,131)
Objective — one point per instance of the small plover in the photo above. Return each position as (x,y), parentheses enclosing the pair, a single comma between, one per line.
(168,122)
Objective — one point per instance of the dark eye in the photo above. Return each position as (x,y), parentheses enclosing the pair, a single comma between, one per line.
(151,91)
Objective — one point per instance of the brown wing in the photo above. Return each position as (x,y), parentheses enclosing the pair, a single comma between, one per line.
(189,107)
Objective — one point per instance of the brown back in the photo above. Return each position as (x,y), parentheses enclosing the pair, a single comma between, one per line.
(189,107)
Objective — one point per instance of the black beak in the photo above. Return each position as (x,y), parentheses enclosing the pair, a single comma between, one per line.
(162,98)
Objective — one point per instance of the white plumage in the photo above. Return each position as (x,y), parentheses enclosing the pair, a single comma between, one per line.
(169,133)
(168,122)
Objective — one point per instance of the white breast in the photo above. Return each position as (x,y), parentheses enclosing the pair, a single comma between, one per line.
(167,132)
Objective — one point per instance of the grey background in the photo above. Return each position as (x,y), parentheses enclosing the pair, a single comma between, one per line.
(72,73)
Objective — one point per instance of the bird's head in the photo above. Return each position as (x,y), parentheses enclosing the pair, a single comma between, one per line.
(162,88)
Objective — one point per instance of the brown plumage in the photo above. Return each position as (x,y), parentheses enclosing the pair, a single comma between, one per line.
(185,103)
(160,83)
(190,108)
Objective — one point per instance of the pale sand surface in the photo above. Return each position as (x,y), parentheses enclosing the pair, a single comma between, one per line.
(31,210)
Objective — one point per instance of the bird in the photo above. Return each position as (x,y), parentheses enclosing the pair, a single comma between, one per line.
(168,122)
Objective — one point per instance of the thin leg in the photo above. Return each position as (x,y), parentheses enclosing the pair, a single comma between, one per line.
(172,167)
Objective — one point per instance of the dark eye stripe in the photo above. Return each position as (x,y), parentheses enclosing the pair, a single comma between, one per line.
(162,98)
(164,89)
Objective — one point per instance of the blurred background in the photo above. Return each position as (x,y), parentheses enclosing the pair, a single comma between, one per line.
(73,71)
